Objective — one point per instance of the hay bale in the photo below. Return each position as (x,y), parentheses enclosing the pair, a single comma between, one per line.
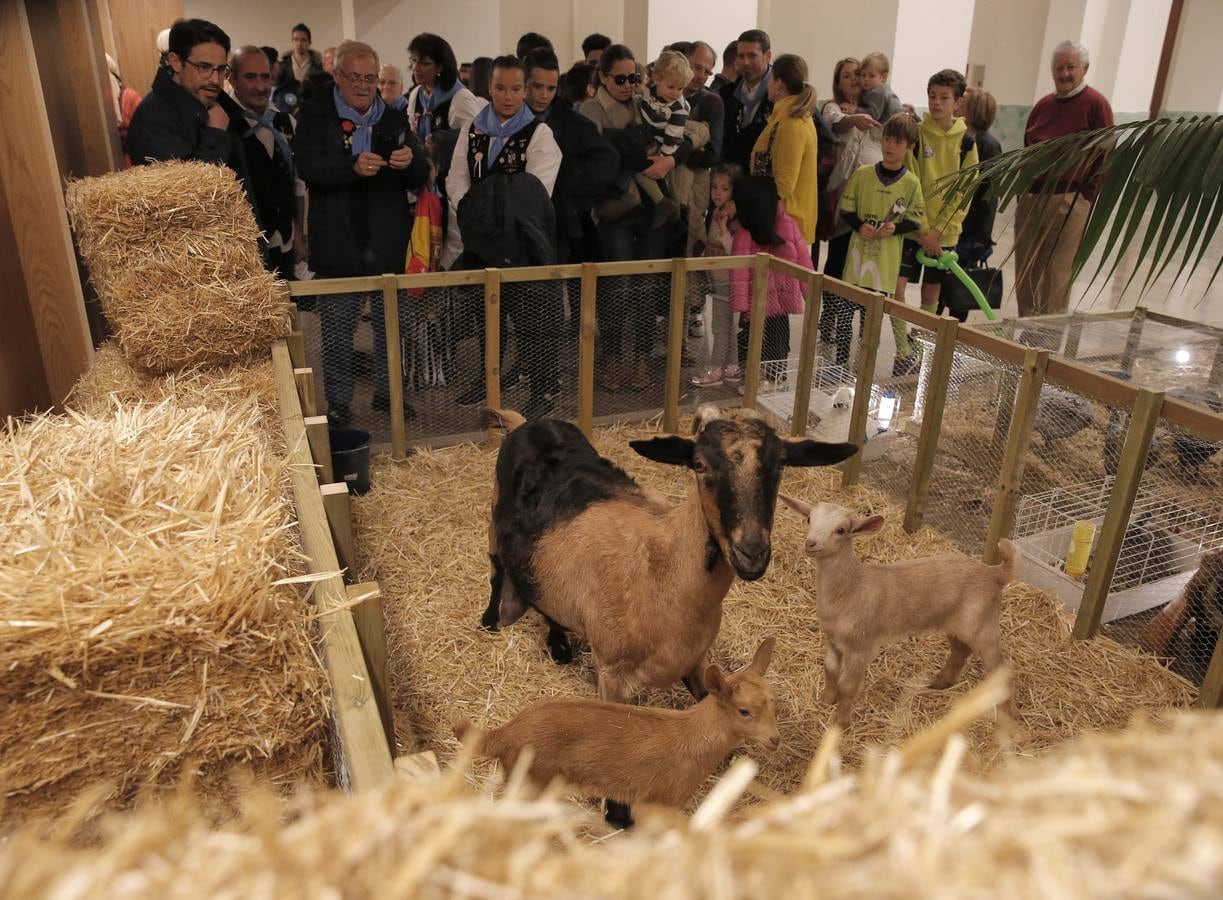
(172,251)
(111,380)
(1137,814)
(141,624)
(423,531)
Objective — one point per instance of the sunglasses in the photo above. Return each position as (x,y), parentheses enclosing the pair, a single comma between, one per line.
(622,79)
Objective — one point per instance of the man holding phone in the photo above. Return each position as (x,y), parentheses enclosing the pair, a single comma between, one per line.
(359,160)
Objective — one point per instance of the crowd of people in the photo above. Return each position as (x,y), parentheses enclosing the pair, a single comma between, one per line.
(356,168)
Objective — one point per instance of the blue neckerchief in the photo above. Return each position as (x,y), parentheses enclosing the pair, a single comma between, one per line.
(401,103)
(430,102)
(363,137)
(752,103)
(487,122)
(267,120)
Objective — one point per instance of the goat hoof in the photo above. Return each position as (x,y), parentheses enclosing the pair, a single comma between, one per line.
(618,815)
(560,649)
(490,621)
(939,684)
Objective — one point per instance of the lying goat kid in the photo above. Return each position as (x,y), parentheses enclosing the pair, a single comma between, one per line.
(863,607)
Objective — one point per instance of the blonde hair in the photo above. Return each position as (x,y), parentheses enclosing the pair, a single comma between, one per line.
(355,50)
(673,68)
(980,109)
(876,60)
(791,71)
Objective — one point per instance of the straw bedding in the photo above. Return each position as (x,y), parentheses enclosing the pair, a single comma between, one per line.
(1137,814)
(141,625)
(423,532)
(172,252)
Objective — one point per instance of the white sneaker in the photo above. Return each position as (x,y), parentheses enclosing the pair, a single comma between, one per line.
(708,378)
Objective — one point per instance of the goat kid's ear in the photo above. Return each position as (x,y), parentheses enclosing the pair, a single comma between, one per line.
(703,417)
(871,525)
(764,655)
(806,452)
(715,682)
(797,505)
(670,449)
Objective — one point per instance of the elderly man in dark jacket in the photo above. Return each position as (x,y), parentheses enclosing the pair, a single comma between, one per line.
(359,159)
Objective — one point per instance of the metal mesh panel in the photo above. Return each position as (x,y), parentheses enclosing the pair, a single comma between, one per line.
(714,349)
(540,336)
(631,350)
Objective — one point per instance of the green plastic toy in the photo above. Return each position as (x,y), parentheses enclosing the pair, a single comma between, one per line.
(950,262)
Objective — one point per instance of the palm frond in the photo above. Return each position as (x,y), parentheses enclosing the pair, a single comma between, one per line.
(1169,171)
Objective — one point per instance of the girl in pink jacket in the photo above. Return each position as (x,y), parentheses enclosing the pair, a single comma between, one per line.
(765,227)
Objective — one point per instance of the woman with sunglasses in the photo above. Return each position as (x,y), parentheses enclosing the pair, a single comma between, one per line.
(625,226)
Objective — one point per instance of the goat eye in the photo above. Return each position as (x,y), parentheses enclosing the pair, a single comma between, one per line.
(840,531)
(746,713)
(699,465)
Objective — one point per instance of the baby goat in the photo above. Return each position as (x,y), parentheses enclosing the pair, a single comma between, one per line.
(637,754)
(864,607)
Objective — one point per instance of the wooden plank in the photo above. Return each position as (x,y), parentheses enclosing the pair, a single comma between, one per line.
(1019,438)
(675,344)
(134,24)
(785,267)
(634,267)
(370,621)
(460,278)
(541,273)
(394,366)
(1171,30)
(23,378)
(718,263)
(1090,383)
(366,755)
(586,350)
(34,194)
(1143,420)
(1134,339)
(319,436)
(912,314)
(305,390)
(1074,335)
(755,329)
(297,348)
(868,355)
(1188,325)
(316,287)
(1007,351)
(492,345)
(1211,695)
(851,292)
(337,502)
(806,354)
(932,422)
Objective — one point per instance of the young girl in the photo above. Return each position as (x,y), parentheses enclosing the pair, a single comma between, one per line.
(720,227)
(765,227)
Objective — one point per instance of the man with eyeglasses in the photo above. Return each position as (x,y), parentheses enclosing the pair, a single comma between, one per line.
(359,159)
(182,116)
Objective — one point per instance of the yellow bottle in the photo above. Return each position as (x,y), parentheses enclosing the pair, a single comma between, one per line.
(1080,549)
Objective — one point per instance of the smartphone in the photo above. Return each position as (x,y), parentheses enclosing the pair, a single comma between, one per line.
(385,144)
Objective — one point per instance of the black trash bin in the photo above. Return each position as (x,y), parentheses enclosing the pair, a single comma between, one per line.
(350,458)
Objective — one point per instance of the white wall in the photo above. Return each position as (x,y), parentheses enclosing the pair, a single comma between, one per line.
(717,25)
(1195,82)
(1140,51)
(473,27)
(1007,39)
(595,17)
(263,23)
(929,42)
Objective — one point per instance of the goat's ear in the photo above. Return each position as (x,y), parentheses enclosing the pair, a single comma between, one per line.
(764,655)
(871,525)
(806,452)
(715,682)
(797,505)
(670,449)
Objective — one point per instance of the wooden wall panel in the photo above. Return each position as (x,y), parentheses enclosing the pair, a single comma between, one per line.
(23,385)
(134,25)
(35,205)
(84,56)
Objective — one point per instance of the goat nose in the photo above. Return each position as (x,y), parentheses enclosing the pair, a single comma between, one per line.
(812,546)
(752,558)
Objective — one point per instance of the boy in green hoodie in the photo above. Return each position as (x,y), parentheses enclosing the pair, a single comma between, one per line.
(944,146)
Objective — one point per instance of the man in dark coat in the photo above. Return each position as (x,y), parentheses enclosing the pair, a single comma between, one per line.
(747,99)
(359,158)
(183,116)
(301,69)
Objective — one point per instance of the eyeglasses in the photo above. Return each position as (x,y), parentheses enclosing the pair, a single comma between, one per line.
(371,80)
(630,79)
(206,70)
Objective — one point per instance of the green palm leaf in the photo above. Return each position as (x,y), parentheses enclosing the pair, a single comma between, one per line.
(1169,168)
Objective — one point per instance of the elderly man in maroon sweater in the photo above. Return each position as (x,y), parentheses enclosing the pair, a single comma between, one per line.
(1048,228)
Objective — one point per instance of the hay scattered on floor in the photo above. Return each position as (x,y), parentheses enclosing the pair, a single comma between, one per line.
(423,533)
(140,622)
(112,380)
(1139,814)
(172,250)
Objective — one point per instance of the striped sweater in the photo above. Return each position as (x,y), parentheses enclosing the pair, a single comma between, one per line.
(665,119)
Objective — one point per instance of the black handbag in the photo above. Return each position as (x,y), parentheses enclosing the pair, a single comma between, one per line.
(957,299)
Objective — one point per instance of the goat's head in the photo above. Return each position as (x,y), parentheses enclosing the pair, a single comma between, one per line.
(738,462)
(746,698)
(831,528)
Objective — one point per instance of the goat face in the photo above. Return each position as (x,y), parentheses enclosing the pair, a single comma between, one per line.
(830,528)
(738,463)
(746,699)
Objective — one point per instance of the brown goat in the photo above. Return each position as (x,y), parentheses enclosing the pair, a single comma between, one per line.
(637,754)
(865,607)
(640,578)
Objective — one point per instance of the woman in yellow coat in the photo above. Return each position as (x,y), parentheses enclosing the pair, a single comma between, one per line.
(787,149)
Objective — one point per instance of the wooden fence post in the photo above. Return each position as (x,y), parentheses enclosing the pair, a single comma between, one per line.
(806,355)
(755,330)
(1133,339)
(868,354)
(492,345)
(675,343)
(1019,437)
(1215,378)
(304,378)
(938,381)
(320,446)
(1138,437)
(394,365)
(337,504)
(1074,334)
(1211,695)
(368,617)
(586,350)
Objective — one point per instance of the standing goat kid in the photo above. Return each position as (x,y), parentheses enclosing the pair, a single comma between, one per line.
(638,754)
(863,607)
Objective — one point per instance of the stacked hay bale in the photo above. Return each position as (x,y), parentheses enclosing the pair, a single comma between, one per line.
(1136,814)
(143,618)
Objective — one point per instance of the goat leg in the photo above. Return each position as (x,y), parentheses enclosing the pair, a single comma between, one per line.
(559,646)
(832,672)
(496,582)
(618,815)
(694,681)
(956,658)
(853,671)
